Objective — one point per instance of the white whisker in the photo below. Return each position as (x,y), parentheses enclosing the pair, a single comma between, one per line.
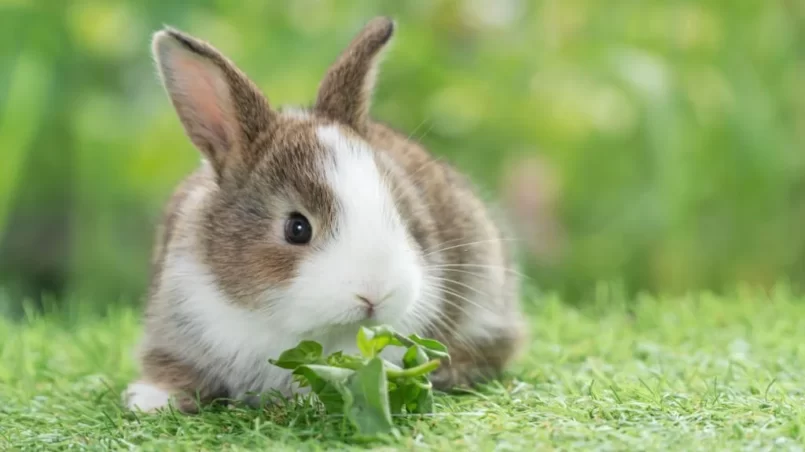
(461,297)
(454,335)
(428,253)
(448,280)
(495,267)
(475,274)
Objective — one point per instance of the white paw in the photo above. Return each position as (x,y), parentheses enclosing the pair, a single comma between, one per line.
(144,397)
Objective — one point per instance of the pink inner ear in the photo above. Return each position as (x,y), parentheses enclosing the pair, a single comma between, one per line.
(204,97)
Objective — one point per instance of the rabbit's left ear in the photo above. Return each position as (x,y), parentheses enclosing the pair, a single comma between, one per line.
(345,92)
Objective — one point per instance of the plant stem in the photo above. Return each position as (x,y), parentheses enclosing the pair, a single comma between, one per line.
(421,369)
(405,341)
(426,386)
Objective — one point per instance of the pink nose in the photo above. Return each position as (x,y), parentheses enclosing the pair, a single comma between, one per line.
(372,301)
(373,298)
(365,300)
(370,306)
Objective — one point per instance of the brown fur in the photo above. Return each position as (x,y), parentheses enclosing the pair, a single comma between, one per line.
(262,163)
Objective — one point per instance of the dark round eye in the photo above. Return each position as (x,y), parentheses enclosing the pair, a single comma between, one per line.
(297,229)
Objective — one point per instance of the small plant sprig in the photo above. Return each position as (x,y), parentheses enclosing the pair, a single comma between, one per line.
(367,389)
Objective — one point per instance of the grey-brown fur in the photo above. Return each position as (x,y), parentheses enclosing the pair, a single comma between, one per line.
(262,162)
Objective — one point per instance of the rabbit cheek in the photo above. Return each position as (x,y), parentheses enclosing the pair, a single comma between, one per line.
(244,258)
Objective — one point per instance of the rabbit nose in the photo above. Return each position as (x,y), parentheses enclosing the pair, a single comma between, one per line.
(372,301)
(370,306)
(365,300)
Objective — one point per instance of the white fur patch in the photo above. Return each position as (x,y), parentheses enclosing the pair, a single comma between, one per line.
(144,397)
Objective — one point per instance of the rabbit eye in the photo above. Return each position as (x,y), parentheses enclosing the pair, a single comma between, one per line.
(297,229)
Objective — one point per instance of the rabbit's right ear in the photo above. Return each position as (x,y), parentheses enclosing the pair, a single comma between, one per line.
(221,110)
(345,93)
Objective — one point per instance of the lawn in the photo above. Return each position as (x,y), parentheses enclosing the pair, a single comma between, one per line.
(701,372)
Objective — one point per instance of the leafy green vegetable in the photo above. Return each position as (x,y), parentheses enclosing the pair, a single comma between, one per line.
(366,389)
(369,410)
(307,352)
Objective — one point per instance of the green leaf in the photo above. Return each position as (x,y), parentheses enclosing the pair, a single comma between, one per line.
(366,388)
(371,341)
(370,411)
(329,384)
(411,397)
(414,356)
(429,344)
(424,402)
(397,400)
(433,348)
(306,352)
(338,359)
(383,330)
(327,373)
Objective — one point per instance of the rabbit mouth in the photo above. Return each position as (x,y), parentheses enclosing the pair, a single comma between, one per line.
(363,316)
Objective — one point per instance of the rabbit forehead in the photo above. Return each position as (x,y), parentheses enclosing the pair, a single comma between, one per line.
(366,208)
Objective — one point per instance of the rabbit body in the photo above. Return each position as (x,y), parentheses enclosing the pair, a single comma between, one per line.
(304,223)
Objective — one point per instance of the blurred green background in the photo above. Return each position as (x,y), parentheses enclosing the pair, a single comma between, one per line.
(656,144)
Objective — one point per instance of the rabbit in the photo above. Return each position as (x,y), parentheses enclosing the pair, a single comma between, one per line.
(304,223)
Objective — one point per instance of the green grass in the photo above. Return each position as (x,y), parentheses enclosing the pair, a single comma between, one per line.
(703,372)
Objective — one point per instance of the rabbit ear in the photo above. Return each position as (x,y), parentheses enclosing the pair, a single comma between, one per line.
(221,110)
(346,90)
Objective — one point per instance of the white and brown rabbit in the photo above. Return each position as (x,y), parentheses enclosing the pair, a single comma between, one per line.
(304,224)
